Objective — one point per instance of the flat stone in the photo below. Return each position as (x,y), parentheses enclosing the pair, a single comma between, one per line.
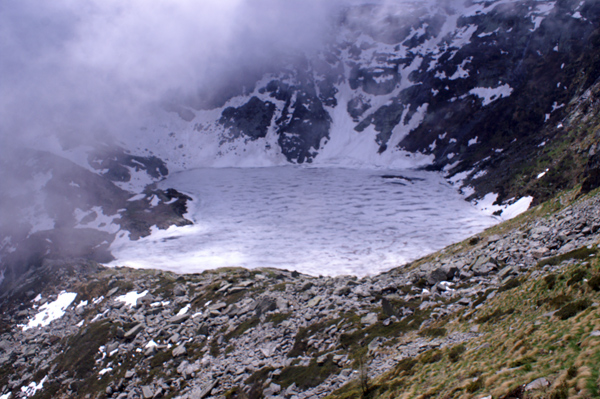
(483,269)
(567,247)
(179,290)
(505,272)
(179,319)
(133,332)
(314,302)
(151,350)
(179,351)
(272,390)
(147,392)
(338,358)
(204,393)
(537,384)
(224,288)
(235,289)
(540,252)
(217,306)
(369,319)
(174,338)
(464,301)
(346,373)
(374,344)
(111,347)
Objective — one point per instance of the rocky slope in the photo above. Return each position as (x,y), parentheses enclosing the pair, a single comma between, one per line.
(53,207)
(80,330)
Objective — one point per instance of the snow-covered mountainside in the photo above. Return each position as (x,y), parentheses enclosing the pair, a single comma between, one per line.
(498,95)
(475,88)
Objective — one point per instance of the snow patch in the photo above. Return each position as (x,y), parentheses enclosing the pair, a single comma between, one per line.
(154,201)
(184,310)
(33,388)
(51,311)
(131,298)
(504,212)
(137,197)
(489,94)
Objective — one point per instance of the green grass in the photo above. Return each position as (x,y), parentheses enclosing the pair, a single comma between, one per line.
(517,337)
(242,328)
(307,376)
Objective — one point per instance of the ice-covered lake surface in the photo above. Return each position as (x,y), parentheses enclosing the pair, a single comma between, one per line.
(319,221)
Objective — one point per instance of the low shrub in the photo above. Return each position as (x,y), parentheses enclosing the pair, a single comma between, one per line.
(475,386)
(510,284)
(576,277)
(431,356)
(455,352)
(405,366)
(594,282)
(433,332)
(550,281)
(495,315)
(522,361)
(572,308)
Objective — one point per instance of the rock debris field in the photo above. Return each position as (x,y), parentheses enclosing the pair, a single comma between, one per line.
(77,329)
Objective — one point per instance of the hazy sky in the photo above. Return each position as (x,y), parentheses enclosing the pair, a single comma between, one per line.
(75,67)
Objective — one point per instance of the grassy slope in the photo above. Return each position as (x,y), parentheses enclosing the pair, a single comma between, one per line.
(518,343)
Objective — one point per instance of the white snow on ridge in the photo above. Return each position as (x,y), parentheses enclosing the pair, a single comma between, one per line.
(489,94)
(51,311)
(486,205)
(31,389)
(184,310)
(460,72)
(131,298)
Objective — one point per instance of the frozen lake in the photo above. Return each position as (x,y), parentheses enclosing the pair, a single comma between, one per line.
(319,221)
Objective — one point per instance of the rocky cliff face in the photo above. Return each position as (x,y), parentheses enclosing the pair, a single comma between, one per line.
(487,91)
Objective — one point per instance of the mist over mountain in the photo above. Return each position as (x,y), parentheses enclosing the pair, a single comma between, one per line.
(99,101)
(299,199)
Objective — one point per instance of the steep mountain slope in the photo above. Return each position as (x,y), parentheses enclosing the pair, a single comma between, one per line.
(54,208)
(491,92)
